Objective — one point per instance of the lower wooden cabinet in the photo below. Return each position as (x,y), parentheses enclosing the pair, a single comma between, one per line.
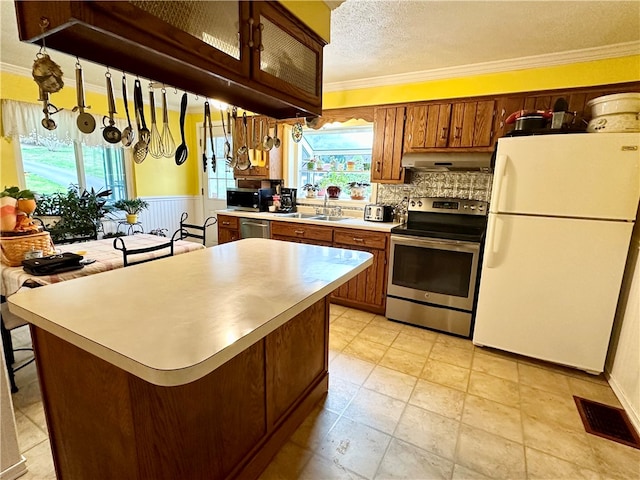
(228,229)
(368,290)
(302,233)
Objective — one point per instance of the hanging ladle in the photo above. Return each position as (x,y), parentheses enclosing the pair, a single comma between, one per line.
(243,162)
(276,140)
(182,152)
(128,135)
(267,141)
(86,123)
(111,133)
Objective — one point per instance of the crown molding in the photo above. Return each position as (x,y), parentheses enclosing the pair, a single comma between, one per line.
(523,63)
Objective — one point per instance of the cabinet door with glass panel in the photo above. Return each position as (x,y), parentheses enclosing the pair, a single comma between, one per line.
(285,56)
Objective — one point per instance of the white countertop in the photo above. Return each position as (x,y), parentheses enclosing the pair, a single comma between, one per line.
(174,320)
(346,222)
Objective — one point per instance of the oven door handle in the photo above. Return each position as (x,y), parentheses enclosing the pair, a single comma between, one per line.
(424,242)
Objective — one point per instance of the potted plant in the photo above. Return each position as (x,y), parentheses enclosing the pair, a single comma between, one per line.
(357,190)
(79,214)
(310,190)
(132,206)
(12,201)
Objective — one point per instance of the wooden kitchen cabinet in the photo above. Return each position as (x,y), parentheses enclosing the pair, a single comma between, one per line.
(427,126)
(302,233)
(386,155)
(368,290)
(252,54)
(264,164)
(471,124)
(228,229)
(441,126)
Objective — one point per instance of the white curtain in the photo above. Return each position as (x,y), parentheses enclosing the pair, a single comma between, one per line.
(22,119)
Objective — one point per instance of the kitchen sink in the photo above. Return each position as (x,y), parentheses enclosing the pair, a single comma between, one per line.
(296,215)
(311,216)
(328,218)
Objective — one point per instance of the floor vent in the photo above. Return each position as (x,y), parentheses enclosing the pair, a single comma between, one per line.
(607,421)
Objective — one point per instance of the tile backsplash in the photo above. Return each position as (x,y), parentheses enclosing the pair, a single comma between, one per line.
(464,185)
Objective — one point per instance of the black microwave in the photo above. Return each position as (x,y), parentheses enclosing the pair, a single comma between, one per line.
(249,199)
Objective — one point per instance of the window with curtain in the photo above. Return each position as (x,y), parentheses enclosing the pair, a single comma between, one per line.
(335,155)
(51,160)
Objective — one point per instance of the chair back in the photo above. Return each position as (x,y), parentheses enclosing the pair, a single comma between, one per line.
(131,256)
(195,231)
(93,235)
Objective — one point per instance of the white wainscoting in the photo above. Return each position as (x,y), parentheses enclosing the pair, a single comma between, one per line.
(164,213)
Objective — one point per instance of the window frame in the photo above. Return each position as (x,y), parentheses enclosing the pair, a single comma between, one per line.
(294,169)
(80,170)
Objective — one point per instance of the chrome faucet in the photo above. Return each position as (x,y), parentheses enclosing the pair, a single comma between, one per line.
(324,207)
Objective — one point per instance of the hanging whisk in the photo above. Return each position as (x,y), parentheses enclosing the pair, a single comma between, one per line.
(168,145)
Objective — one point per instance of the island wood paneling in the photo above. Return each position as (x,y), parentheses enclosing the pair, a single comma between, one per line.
(88,410)
(107,423)
(294,357)
(221,415)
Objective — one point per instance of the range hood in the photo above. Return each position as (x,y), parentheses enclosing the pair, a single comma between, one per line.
(447,161)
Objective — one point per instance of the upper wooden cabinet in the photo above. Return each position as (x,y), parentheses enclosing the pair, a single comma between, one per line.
(436,125)
(471,124)
(264,164)
(386,155)
(255,55)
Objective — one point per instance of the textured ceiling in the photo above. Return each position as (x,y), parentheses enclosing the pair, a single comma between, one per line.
(371,38)
(376,38)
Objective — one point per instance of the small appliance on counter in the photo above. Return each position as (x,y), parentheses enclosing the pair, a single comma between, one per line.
(378,213)
(288,200)
(249,199)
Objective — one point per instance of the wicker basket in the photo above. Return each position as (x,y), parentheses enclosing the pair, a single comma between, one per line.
(12,249)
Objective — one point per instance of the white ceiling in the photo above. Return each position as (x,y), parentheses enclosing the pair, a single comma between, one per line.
(376,42)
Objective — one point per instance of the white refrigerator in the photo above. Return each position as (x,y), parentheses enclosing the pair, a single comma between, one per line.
(560,219)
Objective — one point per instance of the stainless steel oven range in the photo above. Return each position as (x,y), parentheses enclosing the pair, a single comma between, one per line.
(434,260)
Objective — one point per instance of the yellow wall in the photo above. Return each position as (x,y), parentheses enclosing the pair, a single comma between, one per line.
(153,177)
(315,14)
(159,177)
(600,72)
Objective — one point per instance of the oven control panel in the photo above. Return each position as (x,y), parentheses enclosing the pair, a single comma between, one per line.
(448,205)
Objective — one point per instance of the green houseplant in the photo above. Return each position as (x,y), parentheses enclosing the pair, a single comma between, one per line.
(80,213)
(132,207)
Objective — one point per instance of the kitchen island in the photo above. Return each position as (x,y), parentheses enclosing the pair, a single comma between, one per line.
(194,366)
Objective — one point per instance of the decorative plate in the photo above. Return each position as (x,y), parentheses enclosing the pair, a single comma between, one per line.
(296,132)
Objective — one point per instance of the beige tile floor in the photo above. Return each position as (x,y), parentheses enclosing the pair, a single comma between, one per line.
(409,403)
